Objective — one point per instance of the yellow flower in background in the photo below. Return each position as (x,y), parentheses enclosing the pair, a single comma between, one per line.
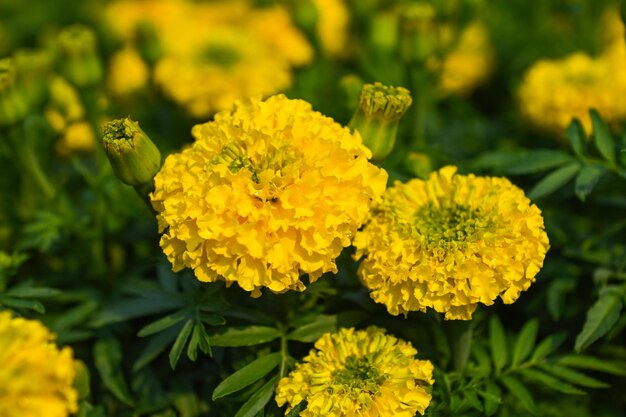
(333,20)
(469,63)
(218,52)
(359,373)
(36,377)
(77,137)
(128,73)
(449,243)
(554,91)
(267,193)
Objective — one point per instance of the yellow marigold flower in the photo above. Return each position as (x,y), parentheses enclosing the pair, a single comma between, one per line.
(267,193)
(128,73)
(451,242)
(333,22)
(77,137)
(35,376)
(359,373)
(469,63)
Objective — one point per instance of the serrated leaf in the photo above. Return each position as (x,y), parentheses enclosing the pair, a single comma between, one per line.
(21,303)
(600,319)
(156,345)
(164,323)
(520,392)
(553,181)
(108,359)
(577,138)
(574,377)
(246,336)
(180,342)
(498,345)
(258,400)
(550,382)
(247,375)
(522,161)
(548,346)
(602,136)
(314,330)
(593,364)
(492,396)
(587,179)
(525,342)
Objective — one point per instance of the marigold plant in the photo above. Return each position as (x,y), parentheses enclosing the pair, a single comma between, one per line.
(449,243)
(267,193)
(35,376)
(359,373)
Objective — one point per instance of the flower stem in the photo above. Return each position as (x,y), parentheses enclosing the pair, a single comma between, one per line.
(460,338)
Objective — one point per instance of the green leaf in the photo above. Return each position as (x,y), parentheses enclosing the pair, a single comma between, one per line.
(258,400)
(492,396)
(108,359)
(574,377)
(483,360)
(520,392)
(33,292)
(553,181)
(315,329)
(593,364)
(522,161)
(600,319)
(246,336)
(602,136)
(164,323)
(525,342)
(471,397)
(295,412)
(74,316)
(548,346)
(587,179)
(577,138)
(156,346)
(136,307)
(497,342)
(212,319)
(21,303)
(550,382)
(247,375)
(180,343)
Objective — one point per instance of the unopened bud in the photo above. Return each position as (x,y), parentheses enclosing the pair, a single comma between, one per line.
(376,118)
(133,156)
(417,37)
(418,164)
(80,62)
(13,101)
(148,42)
(34,67)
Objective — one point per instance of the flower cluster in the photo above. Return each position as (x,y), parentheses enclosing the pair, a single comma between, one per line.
(554,91)
(359,373)
(451,242)
(215,53)
(268,192)
(35,376)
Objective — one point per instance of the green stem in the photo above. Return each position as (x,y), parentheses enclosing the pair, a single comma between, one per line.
(460,338)
(284,353)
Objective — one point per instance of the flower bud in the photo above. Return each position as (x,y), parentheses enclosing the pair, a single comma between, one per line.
(418,164)
(148,42)
(133,156)
(80,63)
(417,38)
(34,67)
(13,101)
(376,118)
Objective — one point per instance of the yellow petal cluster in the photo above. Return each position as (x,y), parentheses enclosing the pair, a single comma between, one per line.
(214,53)
(35,376)
(266,193)
(554,91)
(449,243)
(359,373)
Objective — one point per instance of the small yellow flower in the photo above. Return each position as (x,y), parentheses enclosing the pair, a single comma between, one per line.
(449,243)
(333,22)
(359,373)
(35,376)
(128,73)
(77,137)
(267,193)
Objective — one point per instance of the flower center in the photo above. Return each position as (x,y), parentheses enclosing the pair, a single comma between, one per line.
(223,56)
(359,375)
(451,226)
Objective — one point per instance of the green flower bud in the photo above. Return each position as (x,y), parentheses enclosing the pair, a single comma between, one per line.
(34,67)
(13,101)
(133,156)
(417,38)
(148,42)
(418,164)
(376,118)
(80,62)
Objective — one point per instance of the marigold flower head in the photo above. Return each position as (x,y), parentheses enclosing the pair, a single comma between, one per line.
(449,243)
(35,376)
(359,373)
(267,193)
